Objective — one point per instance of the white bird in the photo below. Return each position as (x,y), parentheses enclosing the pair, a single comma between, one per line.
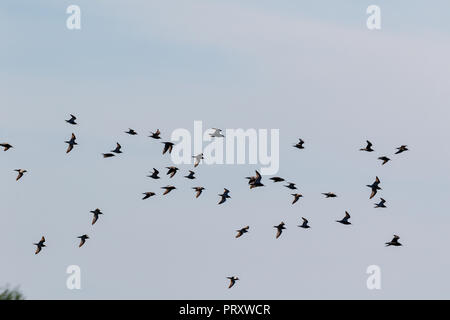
(216,133)
(197,158)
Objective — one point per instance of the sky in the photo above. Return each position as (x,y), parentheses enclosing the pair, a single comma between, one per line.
(311,69)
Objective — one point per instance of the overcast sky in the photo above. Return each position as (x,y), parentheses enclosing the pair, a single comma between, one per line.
(311,69)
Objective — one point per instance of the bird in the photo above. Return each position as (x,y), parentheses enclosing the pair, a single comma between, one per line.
(131,132)
(155,135)
(216,133)
(198,191)
(72,120)
(83,238)
(224,196)
(345,219)
(20,173)
(232,281)
(374,186)
(190,175)
(296,197)
(40,245)
(384,159)
(168,146)
(197,158)
(256,181)
(401,149)
(96,213)
(291,186)
(280,229)
(148,195)
(277,179)
(108,155)
(117,149)
(299,144)
(304,225)
(368,148)
(71,143)
(154,175)
(329,195)
(168,189)
(240,232)
(394,242)
(381,204)
(6,146)
(172,171)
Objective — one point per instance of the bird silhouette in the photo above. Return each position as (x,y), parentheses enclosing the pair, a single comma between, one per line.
(296,197)
(6,146)
(168,146)
(280,229)
(232,281)
(384,159)
(190,175)
(256,180)
(198,191)
(168,189)
(240,232)
(131,132)
(329,195)
(304,225)
(40,245)
(96,213)
(299,144)
(277,179)
(155,135)
(291,186)
(108,155)
(148,195)
(154,175)
(172,171)
(401,149)
(224,196)
(72,142)
(117,149)
(368,148)
(20,174)
(375,187)
(381,204)
(72,120)
(83,239)
(345,219)
(394,242)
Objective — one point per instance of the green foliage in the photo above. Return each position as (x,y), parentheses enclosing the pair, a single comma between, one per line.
(11,294)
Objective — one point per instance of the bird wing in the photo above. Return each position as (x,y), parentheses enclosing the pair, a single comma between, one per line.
(374,192)
(69,148)
(94,220)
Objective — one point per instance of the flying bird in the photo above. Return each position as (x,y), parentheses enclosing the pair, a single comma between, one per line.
(296,197)
(384,159)
(108,155)
(198,191)
(394,242)
(280,229)
(291,186)
(172,171)
(131,132)
(381,204)
(96,213)
(190,175)
(168,146)
(232,281)
(117,149)
(6,146)
(256,180)
(304,225)
(368,148)
(40,245)
(154,175)
(299,144)
(148,195)
(329,195)
(168,189)
(277,179)
(72,142)
(401,149)
(72,120)
(240,232)
(224,196)
(375,187)
(20,173)
(197,158)
(345,219)
(216,133)
(155,135)
(83,239)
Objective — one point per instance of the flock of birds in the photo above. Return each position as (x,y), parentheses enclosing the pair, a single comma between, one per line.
(253,182)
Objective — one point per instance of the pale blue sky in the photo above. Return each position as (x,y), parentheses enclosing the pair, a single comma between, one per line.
(308,68)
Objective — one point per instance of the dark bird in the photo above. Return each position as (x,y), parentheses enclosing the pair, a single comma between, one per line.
(155,135)
(329,195)
(117,149)
(256,181)
(280,229)
(131,132)
(296,197)
(148,195)
(172,171)
(72,119)
(197,158)
(168,146)
(299,144)
(345,219)
(198,191)
(232,281)
(374,186)
(291,186)
(224,196)
(394,242)
(96,213)
(40,245)
(83,238)
(304,225)
(154,175)
(108,155)
(168,189)
(240,232)
(71,143)
(381,204)
(401,149)
(190,175)
(368,148)
(20,173)
(276,179)
(6,146)
(384,159)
